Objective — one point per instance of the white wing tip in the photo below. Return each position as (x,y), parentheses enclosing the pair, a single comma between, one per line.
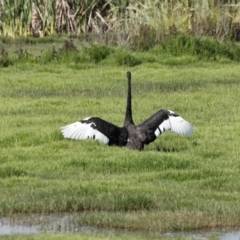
(181,126)
(189,130)
(83,131)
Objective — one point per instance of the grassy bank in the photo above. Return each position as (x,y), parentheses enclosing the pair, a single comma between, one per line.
(82,53)
(177,183)
(89,237)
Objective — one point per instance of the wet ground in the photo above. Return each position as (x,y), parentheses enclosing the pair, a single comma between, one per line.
(68,223)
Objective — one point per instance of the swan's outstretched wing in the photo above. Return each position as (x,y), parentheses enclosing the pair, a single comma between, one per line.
(162,121)
(96,128)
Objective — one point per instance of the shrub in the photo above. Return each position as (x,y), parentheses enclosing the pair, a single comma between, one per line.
(203,47)
(98,52)
(125,58)
(68,50)
(5,60)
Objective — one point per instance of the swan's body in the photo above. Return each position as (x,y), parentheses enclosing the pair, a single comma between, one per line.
(129,135)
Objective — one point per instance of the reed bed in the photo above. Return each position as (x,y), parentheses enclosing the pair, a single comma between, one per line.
(123,21)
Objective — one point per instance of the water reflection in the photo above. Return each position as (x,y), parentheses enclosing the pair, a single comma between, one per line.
(69,223)
(7,229)
(36,223)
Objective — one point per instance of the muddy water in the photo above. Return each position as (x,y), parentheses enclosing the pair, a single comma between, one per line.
(68,223)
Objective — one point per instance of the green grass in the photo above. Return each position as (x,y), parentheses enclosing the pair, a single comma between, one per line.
(177,183)
(108,236)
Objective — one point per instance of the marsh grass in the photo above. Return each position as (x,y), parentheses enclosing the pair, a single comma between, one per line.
(185,49)
(177,183)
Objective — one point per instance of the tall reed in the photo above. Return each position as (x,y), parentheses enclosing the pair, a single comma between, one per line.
(127,20)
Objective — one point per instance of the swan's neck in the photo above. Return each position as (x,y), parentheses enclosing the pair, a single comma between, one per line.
(128,116)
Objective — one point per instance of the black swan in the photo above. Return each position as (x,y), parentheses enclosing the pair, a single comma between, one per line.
(130,135)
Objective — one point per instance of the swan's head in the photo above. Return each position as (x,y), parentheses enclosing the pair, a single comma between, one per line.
(128,75)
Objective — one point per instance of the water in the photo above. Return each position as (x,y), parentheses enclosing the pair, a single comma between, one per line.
(68,223)
(37,223)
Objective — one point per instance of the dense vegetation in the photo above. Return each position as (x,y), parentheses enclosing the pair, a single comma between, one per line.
(127,21)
